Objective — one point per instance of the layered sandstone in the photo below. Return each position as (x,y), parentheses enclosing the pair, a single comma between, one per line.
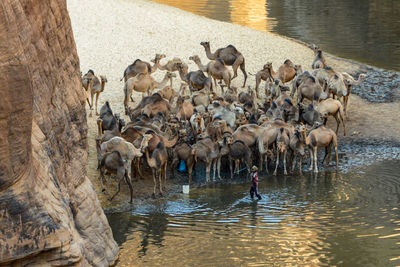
(49,212)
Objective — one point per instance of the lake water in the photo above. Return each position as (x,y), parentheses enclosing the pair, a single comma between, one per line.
(334,218)
(363,30)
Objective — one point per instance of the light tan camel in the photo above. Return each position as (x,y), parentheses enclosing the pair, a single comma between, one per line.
(247,96)
(297,146)
(143,83)
(321,137)
(332,107)
(95,86)
(310,89)
(282,146)
(319,61)
(168,93)
(185,152)
(350,82)
(231,57)
(140,66)
(238,151)
(216,69)
(183,109)
(207,151)
(247,133)
(265,142)
(337,87)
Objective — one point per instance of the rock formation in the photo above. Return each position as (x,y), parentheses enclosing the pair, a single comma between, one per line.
(49,211)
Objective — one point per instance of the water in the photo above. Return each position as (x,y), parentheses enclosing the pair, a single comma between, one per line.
(335,218)
(364,30)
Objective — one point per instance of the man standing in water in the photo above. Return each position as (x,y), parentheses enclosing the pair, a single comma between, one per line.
(254,183)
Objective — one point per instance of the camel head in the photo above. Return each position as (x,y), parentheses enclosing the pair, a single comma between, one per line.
(205,44)
(195,58)
(267,65)
(298,69)
(145,142)
(158,58)
(228,140)
(314,47)
(103,79)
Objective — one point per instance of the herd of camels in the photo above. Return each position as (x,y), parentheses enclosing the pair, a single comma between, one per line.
(207,120)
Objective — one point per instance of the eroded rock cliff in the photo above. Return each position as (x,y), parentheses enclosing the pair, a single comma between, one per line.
(49,212)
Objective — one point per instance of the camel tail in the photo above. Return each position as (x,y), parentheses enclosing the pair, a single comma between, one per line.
(261,143)
(334,140)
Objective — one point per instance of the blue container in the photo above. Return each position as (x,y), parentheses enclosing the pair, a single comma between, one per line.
(182,166)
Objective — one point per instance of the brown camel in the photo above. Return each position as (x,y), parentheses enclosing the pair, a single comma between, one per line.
(310,89)
(143,83)
(207,151)
(238,151)
(297,145)
(168,93)
(216,69)
(183,109)
(350,82)
(158,164)
(96,87)
(334,108)
(162,106)
(265,141)
(195,79)
(247,133)
(285,73)
(246,96)
(185,152)
(231,57)
(113,163)
(135,112)
(140,66)
(230,95)
(321,137)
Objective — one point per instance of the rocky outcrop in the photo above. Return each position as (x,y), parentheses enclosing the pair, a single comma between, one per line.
(49,212)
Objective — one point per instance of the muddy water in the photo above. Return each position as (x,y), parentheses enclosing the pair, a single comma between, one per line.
(364,30)
(334,218)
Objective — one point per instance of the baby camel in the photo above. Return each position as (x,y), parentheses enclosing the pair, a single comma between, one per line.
(94,85)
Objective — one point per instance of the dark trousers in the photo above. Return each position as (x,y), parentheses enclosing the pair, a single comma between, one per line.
(253,190)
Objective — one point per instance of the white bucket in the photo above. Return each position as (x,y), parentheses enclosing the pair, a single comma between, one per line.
(185,189)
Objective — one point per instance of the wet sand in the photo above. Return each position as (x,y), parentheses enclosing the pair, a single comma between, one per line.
(111,34)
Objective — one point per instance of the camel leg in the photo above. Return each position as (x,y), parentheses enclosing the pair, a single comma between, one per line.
(118,189)
(165,177)
(219,168)
(160,180)
(260,164)
(208,167)
(190,170)
(294,162)
(237,165)
(87,99)
(300,163)
(214,164)
(284,163)
(337,157)
(258,80)
(230,167)
(326,154)
(266,163)
(315,160)
(277,162)
(100,126)
(312,159)
(154,181)
(337,122)
(329,154)
(243,69)
(101,178)
(91,97)
(129,182)
(97,98)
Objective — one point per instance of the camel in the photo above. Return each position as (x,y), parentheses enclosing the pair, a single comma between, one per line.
(158,164)
(196,79)
(321,137)
(95,86)
(219,111)
(308,114)
(197,123)
(185,152)
(143,83)
(183,109)
(247,133)
(310,89)
(297,141)
(207,151)
(135,112)
(282,146)
(231,57)
(323,75)
(168,93)
(248,96)
(350,82)
(230,95)
(216,69)
(286,72)
(265,140)
(108,120)
(337,87)
(319,61)
(113,163)
(152,109)
(143,67)
(115,131)
(238,151)
(334,108)
(201,98)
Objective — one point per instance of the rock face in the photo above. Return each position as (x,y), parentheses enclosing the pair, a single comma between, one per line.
(49,212)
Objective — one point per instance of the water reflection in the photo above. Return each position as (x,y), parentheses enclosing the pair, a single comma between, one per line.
(332,218)
(364,30)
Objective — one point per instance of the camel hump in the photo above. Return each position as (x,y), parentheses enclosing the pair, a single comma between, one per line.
(287,61)
(136,61)
(239,141)
(91,71)
(312,78)
(232,47)
(220,60)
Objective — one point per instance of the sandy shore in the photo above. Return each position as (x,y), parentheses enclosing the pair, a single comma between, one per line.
(111,34)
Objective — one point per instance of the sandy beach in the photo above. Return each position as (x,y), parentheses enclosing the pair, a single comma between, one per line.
(111,34)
